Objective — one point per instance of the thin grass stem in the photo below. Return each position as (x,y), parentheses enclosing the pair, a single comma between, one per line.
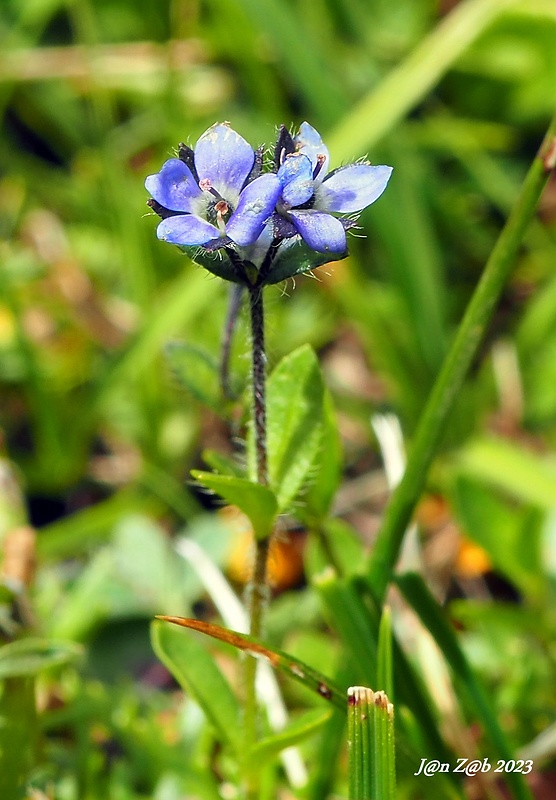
(452,374)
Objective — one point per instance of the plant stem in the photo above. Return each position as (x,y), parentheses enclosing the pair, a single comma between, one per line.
(234,306)
(258,586)
(450,379)
(259,577)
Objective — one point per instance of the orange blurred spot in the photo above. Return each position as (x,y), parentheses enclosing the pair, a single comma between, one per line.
(472,561)
(285,560)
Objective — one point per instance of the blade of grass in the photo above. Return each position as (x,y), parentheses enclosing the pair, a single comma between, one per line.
(385,669)
(196,671)
(450,380)
(284,662)
(371,740)
(418,596)
(408,83)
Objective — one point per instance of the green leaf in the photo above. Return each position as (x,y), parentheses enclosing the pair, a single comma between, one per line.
(510,535)
(294,412)
(336,544)
(257,502)
(18,735)
(433,617)
(221,464)
(286,663)
(197,673)
(385,668)
(319,497)
(516,471)
(197,371)
(301,728)
(351,619)
(31,656)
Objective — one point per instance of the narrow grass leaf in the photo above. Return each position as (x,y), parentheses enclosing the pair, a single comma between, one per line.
(371,745)
(31,656)
(18,734)
(407,83)
(197,673)
(318,499)
(301,728)
(309,677)
(421,600)
(385,669)
(450,380)
(524,475)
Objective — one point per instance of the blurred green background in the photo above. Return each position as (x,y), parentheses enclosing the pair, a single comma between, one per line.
(98,436)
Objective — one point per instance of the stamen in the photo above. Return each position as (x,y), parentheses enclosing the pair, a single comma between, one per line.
(207,186)
(321,158)
(221,208)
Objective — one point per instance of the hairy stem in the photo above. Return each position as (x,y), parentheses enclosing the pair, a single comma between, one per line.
(234,306)
(257,593)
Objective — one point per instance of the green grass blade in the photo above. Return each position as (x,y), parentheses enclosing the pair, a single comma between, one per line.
(408,83)
(196,671)
(385,668)
(371,745)
(450,380)
(421,600)
(18,734)
(296,669)
(297,731)
(30,656)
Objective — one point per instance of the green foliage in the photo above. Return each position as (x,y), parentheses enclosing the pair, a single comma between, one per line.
(195,669)
(371,737)
(294,408)
(257,502)
(98,437)
(31,656)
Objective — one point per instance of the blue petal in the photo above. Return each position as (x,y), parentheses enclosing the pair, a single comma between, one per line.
(256,204)
(175,188)
(296,178)
(322,232)
(224,158)
(352,188)
(309,142)
(256,252)
(186,229)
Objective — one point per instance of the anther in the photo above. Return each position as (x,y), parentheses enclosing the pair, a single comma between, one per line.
(207,186)
(321,158)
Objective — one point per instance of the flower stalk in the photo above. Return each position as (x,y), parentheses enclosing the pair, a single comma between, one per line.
(258,588)
(255,223)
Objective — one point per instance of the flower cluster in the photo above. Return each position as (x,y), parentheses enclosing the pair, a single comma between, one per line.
(262,226)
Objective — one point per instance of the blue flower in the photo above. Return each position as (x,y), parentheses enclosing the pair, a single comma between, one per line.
(311,196)
(213,196)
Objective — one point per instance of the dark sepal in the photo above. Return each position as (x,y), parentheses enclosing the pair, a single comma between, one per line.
(293,257)
(217,262)
(162,212)
(282,228)
(187,155)
(257,165)
(285,145)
